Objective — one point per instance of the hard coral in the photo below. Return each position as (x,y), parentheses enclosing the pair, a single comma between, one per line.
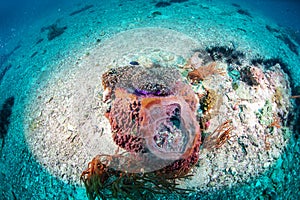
(158,81)
(211,102)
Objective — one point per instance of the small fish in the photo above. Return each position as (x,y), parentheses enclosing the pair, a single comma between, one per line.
(134,63)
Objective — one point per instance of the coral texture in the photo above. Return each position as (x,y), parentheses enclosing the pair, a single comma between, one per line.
(253,75)
(203,72)
(153,113)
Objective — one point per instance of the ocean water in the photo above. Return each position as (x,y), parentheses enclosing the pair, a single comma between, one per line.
(57,112)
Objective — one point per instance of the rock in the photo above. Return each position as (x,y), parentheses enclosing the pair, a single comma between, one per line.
(70,128)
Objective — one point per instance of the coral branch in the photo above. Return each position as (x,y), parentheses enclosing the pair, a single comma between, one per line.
(219,136)
(205,72)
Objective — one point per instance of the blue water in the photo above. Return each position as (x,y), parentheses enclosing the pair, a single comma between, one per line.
(15,15)
(19,17)
(284,12)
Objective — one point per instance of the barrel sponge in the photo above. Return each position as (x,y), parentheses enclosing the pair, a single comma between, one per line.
(152,112)
(168,126)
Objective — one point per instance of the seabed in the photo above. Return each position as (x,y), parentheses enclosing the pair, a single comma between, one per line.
(52,115)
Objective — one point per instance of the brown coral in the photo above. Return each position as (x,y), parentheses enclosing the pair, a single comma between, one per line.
(219,136)
(104,182)
(210,103)
(204,72)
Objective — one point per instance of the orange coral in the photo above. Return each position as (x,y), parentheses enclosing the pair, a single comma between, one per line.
(220,135)
(276,122)
(203,72)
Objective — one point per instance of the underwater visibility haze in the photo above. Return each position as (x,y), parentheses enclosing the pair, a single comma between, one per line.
(160,99)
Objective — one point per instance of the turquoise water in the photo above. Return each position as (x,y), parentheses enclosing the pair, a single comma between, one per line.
(39,40)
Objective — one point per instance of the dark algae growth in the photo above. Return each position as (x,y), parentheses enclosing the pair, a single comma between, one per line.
(5,114)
